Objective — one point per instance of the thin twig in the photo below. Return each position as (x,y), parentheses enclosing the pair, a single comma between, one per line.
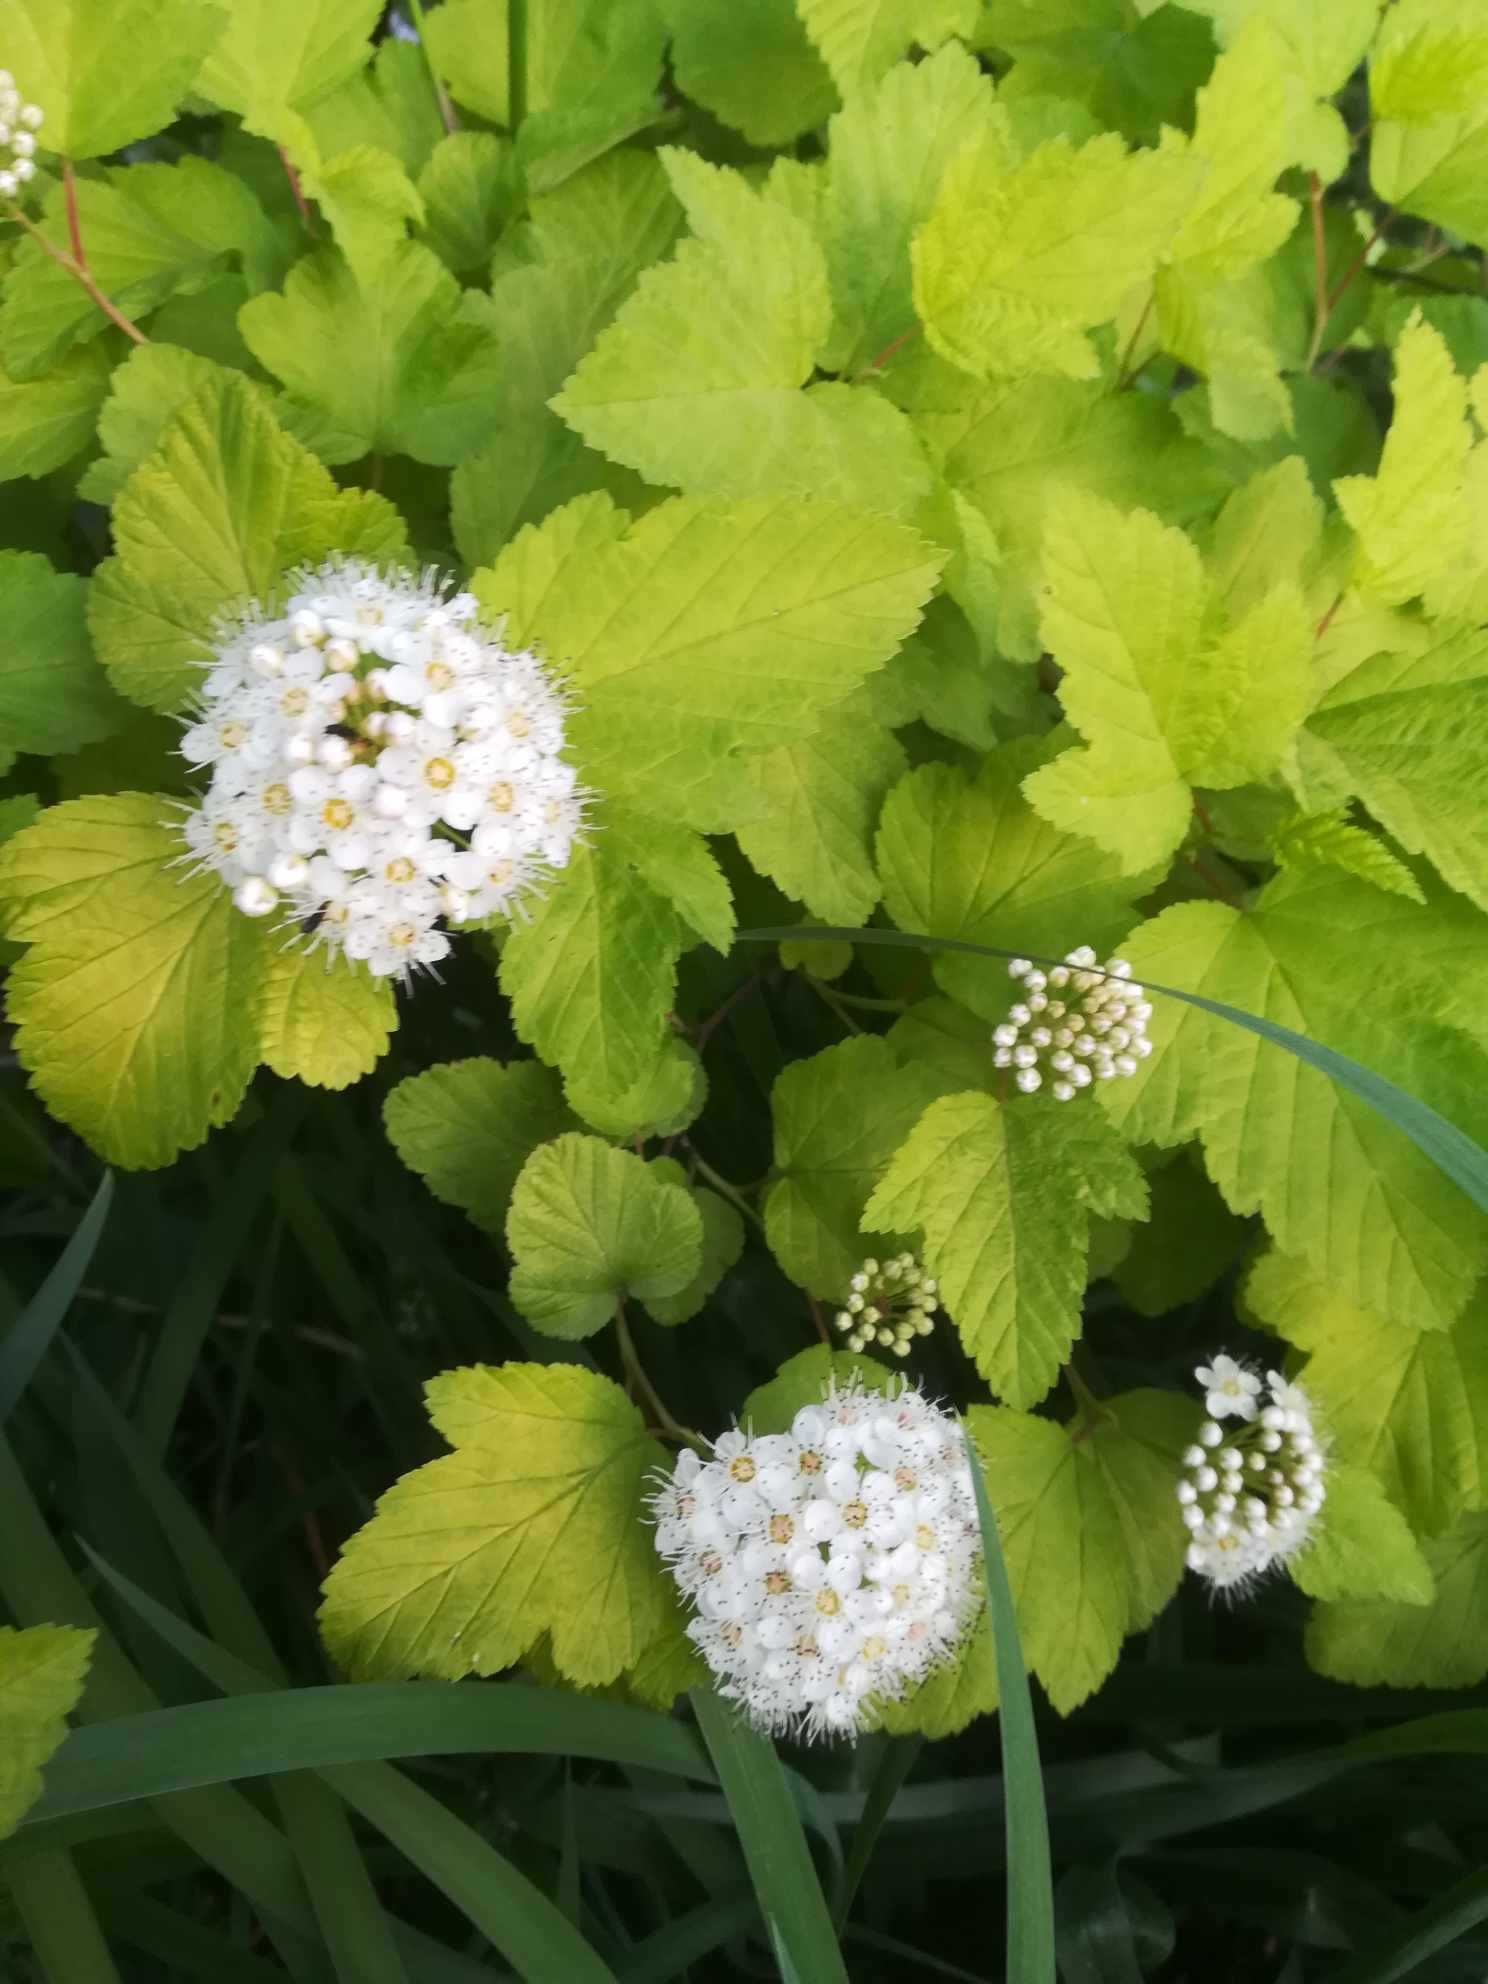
(708,1027)
(722,1186)
(447,115)
(1124,373)
(76,264)
(816,1316)
(635,1371)
(875,365)
(1327,620)
(307,219)
(1214,883)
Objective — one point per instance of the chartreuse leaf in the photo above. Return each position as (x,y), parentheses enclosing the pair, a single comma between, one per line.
(45,421)
(821,803)
(213,518)
(1331,840)
(860,40)
(1243,138)
(468,1127)
(662,393)
(388,103)
(592,970)
(1168,695)
(1021,257)
(701,633)
(533,1525)
(679,865)
(588,1226)
(588,240)
(1408,1405)
(666,1099)
(150,230)
(1363,1546)
(1409,520)
(579,53)
(134,1006)
(1379,1218)
(42,1673)
(368,200)
(107,72)
(886,154)
(1002,1195)
(755,71)
(839,1117)
(1325,44)
(278,56)
(154,382)
(1085,1515)
(1405,1643)
(53,694)
(321,1020)
(723,1242)
(403,366)
(1409,735)
(1013,450)
(468,189)
(1270,528)
(1429,143)
(970,858)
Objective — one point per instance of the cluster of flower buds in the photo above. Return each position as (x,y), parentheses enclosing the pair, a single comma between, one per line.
(828,1567)
(1250,1492)
(890,1304)
(19,123)
(1081,1020)
(380,764)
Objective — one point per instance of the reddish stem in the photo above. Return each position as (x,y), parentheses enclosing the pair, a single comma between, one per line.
(816,1316)
(297,189)
(1327,620)
(1213,883)
(76,264)
(894,344)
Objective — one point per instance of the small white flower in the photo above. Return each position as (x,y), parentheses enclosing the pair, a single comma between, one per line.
(370,797)
(1253,1503)
(19,123)
(828,1568)
(1083,1022)
(1231,1389)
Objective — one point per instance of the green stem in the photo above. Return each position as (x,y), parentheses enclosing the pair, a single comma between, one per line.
(865,1005)
(635,1371)
(516,64)
(441,95)
(723,1187)
(830,999)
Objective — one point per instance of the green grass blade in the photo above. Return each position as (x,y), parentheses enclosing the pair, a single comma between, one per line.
(773,1839)
(355,1927)
(1030,1915)
(895,1764)
(689,1938)
(1450,1149)
(1436,1928)
(186,1323)
(503,1904)
(30,1336)
(58,1918)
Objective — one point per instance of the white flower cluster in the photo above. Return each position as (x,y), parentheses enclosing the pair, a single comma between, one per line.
(1097,1030)
(891,1303)
(1250,1494)
(829,1566)
(379,762)
(19,123)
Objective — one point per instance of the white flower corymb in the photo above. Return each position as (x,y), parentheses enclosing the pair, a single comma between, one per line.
(19,123)
(829,1567)
(1081,1021)
(380,765)
(1249,1495)
(889,1303)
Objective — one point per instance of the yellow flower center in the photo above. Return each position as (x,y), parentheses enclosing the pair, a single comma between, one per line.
(782,1529)
(276,798)
(776,1583)
(501,798)
(439,675)
(828,1603)
(499,874)
(295,700)
(402,935)
(338,814)
(517,724)
(874,1648)
(810,1461)
(400,869)
(924,1537)
(225,834)
(711,1562)
(904,1478)
(855,1514)
(742,1468)
(232,734)
(440,773)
